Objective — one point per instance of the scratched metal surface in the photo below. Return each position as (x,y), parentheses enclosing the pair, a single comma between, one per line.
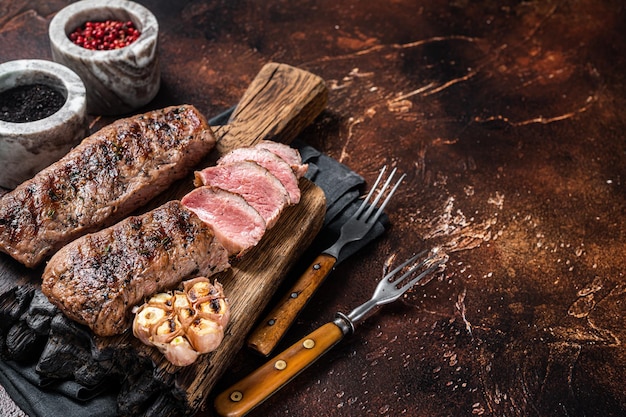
(508,119)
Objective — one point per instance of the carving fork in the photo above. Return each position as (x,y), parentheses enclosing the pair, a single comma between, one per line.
(251,391)
(274,326)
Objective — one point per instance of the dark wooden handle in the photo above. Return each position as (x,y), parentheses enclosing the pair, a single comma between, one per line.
(277,105)
(242,397)
(271,329)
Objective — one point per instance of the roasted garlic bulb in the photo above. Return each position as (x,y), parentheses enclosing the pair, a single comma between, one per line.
(184,324)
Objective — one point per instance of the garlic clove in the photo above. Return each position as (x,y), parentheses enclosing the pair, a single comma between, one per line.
(205,335)
(166,330)
(146,317)
(217,309)
(180,300)
(162,299)
(186,316)
(179,351)
(198,287)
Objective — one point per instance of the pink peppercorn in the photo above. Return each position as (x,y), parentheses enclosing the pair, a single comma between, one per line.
(105,35)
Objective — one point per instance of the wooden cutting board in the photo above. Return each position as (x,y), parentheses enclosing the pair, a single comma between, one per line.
(278,104)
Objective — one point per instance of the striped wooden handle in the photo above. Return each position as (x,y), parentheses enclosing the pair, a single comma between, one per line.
(273,327)
(251,391)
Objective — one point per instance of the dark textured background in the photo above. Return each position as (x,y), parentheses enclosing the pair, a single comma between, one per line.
(508,118)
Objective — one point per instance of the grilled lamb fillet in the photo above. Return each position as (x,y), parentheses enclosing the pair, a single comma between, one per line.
(97,279)
(270,161)
(106,177)
(236,224)
(262,190)
(287,153)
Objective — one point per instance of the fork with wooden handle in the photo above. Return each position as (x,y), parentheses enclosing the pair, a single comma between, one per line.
(273,327)
(251,391)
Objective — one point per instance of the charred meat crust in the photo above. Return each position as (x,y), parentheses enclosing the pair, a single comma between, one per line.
(98,278)
(106,177)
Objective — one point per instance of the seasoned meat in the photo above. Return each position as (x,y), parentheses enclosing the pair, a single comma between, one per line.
(236,224)
(287,153)
(260,188)
(102,180)
(268,160)
(97,279)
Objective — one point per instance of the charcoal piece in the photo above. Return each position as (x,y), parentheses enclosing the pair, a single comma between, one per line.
(92,372)
(69,353)
(40,304)
(166,405)
(61,358)
(64,326)
(137,393)
(13,304)
(22,342)
(132,362)
(40,313)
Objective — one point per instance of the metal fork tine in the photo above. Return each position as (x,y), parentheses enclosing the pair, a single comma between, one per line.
(403,264)
(412,269)
(382,206)
(419,277)
(379,195)
(373,188)
(387,290)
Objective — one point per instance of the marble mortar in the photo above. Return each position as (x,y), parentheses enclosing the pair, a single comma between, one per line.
(118,81)
(26,148)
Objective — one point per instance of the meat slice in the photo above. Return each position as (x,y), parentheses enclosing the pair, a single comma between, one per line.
(255,184)
(236,224)
(106,177)
(287,153)
(268,160)
(98,278)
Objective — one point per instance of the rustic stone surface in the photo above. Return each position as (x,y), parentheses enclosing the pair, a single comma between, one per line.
(507,117)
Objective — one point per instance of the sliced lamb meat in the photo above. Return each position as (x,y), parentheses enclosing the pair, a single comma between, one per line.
(268,160)
(106,177)
(255,184)
(236,224)
(97,279)
(287,153)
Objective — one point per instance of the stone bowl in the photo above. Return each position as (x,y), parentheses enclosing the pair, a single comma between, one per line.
(118,81)
(28,147)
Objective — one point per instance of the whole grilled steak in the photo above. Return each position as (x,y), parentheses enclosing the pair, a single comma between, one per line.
(106,177)
(98,278)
